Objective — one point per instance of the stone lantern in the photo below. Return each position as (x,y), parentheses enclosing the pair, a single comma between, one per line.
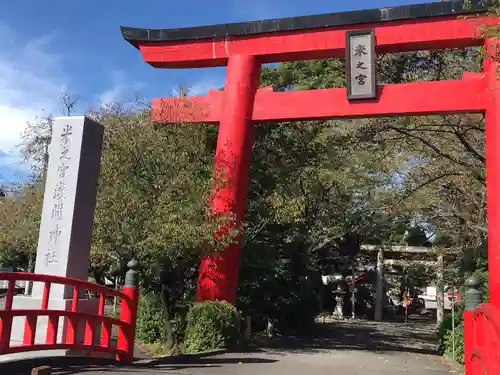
(339,306)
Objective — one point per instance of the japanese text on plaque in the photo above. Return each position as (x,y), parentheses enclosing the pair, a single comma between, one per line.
(360,64)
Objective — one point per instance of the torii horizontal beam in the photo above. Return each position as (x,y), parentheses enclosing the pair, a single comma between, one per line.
(419,98)
(397,29)
(408,249)
(400,262)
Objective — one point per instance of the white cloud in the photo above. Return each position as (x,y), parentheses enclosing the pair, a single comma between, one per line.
(31,83)
(120,89)
(201,87)
(11,169)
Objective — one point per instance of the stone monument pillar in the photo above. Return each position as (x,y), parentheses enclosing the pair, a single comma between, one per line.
(67,219)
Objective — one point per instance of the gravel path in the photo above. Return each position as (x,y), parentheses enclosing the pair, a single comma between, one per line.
(344,348)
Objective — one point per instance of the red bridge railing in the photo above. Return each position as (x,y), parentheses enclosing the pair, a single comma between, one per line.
(481,334)
(485,355)
(74,321)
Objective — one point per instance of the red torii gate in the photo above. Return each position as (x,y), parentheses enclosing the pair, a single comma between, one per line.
(244,47)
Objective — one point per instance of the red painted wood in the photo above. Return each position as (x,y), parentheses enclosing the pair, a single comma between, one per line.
(52,327)
(468,341)
(126,332)
(45,297)
(194,108)
(395,36)
(105,326)
(29,330)
(477,365)
(419,98)
(73,321)
(38,347)
(88,338)
(60,280)
(102,302)
(492,70)
(482,340)
(130,296)
(9,296)
(219,273)
(59,313)
(7,317)
(106,333)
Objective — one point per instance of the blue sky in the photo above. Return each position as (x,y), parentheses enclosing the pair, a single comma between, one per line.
(53,46)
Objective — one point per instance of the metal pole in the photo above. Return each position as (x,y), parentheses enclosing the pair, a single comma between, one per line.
(440,291)
(115,298)
(379,295)
(453,320)
(353,288)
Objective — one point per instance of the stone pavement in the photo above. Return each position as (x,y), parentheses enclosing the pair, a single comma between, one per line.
(344,348)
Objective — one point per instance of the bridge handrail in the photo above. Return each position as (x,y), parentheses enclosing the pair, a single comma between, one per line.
(491,313)
(81,284)
(485,353)
(68,313)
(72,317)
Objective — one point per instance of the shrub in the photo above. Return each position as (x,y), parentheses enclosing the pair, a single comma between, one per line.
(150,318)
(445,332)
(447,320)
(211,325)
(179,319)
(459,343)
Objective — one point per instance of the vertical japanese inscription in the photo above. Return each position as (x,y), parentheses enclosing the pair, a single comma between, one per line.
(69,202)
(59,195)
(361,64)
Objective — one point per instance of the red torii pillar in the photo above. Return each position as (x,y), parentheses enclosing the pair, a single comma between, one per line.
(219,272)
(244,47)
(492,139)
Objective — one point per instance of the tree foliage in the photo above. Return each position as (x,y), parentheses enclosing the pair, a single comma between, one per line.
(318,189)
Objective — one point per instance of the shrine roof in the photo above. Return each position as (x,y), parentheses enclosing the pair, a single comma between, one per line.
(398,13)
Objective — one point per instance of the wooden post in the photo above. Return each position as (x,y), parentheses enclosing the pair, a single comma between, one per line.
(353,288)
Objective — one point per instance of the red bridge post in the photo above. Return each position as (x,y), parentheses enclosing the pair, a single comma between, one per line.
(218,276)
(128,313)
(473,299)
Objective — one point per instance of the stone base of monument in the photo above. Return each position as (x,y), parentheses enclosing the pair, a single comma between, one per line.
(27,302)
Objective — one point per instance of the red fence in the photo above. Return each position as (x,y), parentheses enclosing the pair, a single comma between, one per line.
(74,321)
(482,340)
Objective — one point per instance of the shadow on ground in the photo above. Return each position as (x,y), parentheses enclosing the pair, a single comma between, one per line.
(417,336)
(78,365)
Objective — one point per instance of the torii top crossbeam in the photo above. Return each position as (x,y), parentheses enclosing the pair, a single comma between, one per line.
(244,47)
(397,29)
